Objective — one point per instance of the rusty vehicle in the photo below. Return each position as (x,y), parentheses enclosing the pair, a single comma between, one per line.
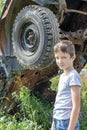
(28,31)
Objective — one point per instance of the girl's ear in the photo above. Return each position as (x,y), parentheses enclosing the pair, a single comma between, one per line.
(73,57)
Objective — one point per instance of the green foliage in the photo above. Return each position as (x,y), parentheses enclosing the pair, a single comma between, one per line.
(31,113)
(83,114)
(54,84)
(1,5)
(85,66)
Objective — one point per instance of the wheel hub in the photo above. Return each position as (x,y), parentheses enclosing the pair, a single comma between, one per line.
(30,39)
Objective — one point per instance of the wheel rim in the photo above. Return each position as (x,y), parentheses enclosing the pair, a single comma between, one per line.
(29,37)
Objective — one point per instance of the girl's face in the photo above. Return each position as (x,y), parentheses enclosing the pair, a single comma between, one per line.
(64,61)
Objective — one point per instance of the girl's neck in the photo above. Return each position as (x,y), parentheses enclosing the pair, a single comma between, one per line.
(68,69)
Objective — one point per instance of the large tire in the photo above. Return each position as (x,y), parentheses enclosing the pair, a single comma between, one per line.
(35,32)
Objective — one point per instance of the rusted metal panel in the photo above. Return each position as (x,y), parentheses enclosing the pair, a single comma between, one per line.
(2,36)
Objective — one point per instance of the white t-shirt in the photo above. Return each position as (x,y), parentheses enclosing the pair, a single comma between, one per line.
(63,103)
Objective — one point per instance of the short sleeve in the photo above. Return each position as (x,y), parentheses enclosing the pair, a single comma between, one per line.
(75,80)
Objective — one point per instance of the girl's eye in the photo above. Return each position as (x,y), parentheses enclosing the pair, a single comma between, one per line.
(57,58)
(63,57)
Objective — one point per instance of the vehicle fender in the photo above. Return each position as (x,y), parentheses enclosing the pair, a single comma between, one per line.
(43,2)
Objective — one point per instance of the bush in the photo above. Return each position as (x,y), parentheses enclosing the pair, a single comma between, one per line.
(1,5)
(32,114)
(83,114)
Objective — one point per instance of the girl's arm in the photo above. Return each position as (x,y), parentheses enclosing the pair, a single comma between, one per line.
(75,92)
(52,126)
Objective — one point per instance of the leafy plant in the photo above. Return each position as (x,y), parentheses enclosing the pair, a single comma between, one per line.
(54,84)
(83,114)
(32,114)
(85,66)
(1,5)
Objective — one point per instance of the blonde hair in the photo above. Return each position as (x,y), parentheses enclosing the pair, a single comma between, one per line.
(65,46)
